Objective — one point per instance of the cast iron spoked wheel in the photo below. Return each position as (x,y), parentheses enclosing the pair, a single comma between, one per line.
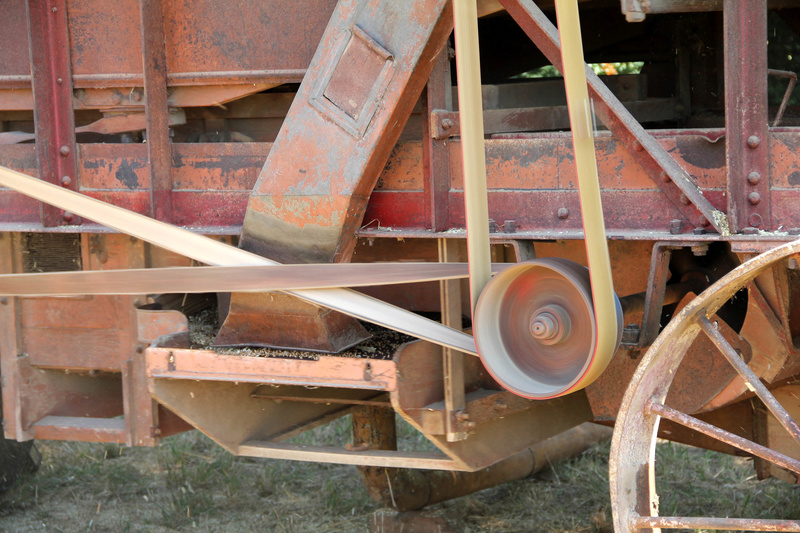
(634,498)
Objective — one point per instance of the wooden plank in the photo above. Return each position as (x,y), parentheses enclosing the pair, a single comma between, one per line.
(330,454)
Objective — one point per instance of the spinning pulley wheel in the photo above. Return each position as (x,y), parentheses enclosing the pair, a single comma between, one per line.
(536,331)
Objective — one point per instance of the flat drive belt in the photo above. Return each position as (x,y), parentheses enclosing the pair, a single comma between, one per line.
(227,279)
(212,252)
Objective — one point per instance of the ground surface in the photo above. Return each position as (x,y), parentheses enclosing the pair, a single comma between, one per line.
(189,484)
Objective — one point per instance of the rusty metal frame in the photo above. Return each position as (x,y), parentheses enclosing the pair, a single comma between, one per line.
(673,180)
(52,88)
(438,94)
(159,152)
(746,118)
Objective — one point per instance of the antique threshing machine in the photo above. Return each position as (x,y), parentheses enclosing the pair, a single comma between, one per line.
(165,158)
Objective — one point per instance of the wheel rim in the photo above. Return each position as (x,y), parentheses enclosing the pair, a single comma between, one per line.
(632,479)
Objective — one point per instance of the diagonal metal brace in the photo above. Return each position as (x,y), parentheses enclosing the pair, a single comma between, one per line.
(673,180)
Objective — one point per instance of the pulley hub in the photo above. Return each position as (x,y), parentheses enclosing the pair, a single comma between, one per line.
(550,324)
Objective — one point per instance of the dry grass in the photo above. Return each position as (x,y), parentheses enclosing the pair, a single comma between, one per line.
(189,484)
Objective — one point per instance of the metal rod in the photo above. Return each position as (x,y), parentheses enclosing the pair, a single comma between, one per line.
(752,381)
(731,524)
(789,88)
(473,151)
(724,436)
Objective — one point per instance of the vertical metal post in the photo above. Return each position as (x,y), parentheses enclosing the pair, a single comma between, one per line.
(454,393)
(159,150)
(473,151)
(51,73)
(436,152)
(747,135)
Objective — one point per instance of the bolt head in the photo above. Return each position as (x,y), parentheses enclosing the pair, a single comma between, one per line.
(447,124)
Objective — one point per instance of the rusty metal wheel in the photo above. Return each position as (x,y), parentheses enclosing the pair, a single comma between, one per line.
(632,478)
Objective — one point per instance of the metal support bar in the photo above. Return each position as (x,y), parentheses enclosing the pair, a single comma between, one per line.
(673,180)
(56,156)
(454,392)
(154,59)
(438,94)
(747,139)
(656,287)
(792,77)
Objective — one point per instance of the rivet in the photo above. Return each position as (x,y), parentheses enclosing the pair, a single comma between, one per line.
(64,150)
(563,213)
(753,142)
(136,96)
(59,81)
(704,222)
(755,220)
(638,146)
(685,200)
(754,198)
(115,99)
(4,300)
(66,181)
(67,216)
(754,178)
(665,178)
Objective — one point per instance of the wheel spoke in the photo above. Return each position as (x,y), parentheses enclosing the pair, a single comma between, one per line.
(724,436)
(751,379)
(729,524)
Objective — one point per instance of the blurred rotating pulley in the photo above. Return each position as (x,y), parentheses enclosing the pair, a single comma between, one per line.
(536,331)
